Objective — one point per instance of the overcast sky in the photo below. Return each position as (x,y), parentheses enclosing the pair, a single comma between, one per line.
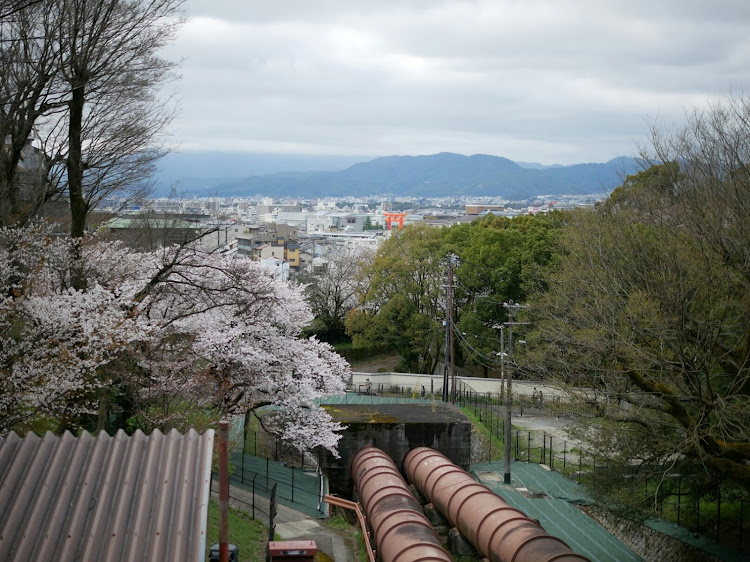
(558,81)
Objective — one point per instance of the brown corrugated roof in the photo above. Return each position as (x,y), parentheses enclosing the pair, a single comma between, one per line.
(139,497)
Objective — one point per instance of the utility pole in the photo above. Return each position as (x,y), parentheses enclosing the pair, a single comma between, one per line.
(449,375)
(512,308)
(502,364)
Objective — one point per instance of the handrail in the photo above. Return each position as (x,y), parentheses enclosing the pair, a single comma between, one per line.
(354,506)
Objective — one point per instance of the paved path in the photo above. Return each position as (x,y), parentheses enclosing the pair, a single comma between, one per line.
(294,525)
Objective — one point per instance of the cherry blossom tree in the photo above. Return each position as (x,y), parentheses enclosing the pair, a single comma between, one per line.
(243,327)
(53,339)
(176,324)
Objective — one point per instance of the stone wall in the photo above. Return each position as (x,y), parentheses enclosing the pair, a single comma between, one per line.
(651,545)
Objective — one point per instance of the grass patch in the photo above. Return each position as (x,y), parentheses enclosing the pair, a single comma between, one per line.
(351,532)
(337,522)
(495,436)
(249,535)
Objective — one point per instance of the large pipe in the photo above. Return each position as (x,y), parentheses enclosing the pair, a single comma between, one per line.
(223,491)
(499,532)
(402,532)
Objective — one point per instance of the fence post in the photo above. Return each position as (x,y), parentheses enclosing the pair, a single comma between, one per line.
(266,474)
(255,444)
(565,453)
(242,474)
(544,448)
(594,480)
(292,484)
(528,447)
(244,445)
(551,454)
(254,476)
(517,432)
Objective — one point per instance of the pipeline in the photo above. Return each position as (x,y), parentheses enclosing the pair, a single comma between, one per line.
(499,532)
(402,532)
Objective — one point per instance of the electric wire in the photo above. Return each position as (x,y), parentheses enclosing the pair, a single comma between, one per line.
(476,353)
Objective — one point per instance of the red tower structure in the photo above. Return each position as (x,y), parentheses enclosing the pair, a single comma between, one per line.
(390,217)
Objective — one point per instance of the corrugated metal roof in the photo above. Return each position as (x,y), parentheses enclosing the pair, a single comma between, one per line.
(139,497)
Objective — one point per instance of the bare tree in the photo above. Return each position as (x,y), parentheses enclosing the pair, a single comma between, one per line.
(29,90)
(332,289)
(85,77)
(112,70)
(14,6)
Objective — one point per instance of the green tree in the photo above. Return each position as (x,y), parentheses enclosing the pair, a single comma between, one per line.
(650,304)
(403,293)
(399,326)
(496,254)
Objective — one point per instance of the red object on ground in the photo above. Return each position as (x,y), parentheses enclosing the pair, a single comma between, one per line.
(292,551)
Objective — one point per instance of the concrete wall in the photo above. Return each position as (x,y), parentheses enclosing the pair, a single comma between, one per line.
(652,545)
(396,429)
(481,385)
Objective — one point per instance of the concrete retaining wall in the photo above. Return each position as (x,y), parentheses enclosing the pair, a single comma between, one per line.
(652,545)
(481,385)
(396,429)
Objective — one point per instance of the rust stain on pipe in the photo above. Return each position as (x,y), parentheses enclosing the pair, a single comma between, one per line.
(402,532)
(499,532)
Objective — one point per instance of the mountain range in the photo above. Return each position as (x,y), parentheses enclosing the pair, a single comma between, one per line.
(435,175)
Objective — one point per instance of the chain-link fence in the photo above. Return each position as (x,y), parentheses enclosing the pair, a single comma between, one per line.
(719,510)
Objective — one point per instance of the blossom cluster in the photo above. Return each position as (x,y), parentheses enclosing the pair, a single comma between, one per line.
(216,330)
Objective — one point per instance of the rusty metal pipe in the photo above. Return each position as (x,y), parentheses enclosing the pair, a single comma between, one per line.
(223,491)
(354,506)
(499,532)
(402,532)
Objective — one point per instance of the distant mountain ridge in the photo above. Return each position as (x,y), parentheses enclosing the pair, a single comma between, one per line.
(435,175)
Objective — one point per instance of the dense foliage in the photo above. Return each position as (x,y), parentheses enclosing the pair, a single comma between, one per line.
(648,313)
(404,301)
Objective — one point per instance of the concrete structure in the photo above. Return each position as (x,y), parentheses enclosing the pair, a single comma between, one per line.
(275,240)
(350,239)
(396,429)
(478,209)
(279,267)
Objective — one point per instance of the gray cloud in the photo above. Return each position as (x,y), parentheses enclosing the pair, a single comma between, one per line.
(530,80)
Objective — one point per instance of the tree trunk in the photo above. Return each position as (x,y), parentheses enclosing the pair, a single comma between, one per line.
(74,164)
(101,422)
(78,207)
